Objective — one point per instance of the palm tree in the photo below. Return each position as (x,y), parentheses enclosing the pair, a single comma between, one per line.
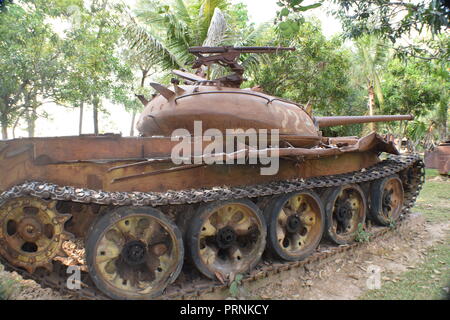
(371,56)
(166,30)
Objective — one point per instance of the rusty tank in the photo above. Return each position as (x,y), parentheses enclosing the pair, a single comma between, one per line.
(219,179)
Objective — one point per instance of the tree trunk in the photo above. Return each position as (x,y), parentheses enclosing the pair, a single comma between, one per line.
(133,119)
(443,114)
(31,122)
(371,105)
(4,131)
(16,123)
(4,117)
(80,125)
(95,105)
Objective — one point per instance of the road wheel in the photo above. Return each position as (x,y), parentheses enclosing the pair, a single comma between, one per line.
(345,208)
(226,238)
(134,253)
(295,224)
(386,200)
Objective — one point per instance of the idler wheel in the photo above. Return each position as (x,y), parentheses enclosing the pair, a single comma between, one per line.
(345,209)
(226,238)
(32,232)
(134,253)
(386,200)
(295,224)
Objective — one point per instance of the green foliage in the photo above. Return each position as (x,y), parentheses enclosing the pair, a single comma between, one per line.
(289,17)
(392,223)
(389,20)
(362,235)
(371,56)
(168,28)
(97,70)
(392,20)
(411,89)
(235,286)
(30,64)
(318,71)
(3,4)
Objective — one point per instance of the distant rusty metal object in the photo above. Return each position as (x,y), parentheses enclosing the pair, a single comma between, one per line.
(439,158)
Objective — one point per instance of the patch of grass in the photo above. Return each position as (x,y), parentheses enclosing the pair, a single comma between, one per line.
(431,173)
(426,282)
(434,198)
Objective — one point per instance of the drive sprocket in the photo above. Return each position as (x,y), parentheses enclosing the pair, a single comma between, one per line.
(32,232)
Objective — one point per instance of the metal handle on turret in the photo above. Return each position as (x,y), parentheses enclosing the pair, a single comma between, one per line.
(347,120)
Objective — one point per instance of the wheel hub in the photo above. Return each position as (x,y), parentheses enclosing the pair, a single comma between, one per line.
(226,237)
(344,213)
(30,229)
(293,224)
(134,253)
(387,200)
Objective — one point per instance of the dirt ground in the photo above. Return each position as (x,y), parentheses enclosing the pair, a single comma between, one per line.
(346,277)
(342,278)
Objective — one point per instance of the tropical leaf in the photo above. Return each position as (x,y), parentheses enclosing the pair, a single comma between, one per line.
(217,29)
(141,39)
(372,55)
(206,14)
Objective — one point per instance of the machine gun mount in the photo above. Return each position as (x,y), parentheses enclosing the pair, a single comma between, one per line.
(227,57)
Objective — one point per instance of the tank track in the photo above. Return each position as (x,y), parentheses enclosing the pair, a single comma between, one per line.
(189,289)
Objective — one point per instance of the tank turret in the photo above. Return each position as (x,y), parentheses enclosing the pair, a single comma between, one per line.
(221,104)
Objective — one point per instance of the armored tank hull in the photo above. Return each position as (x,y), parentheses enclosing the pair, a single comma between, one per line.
(149,217)
(60,191)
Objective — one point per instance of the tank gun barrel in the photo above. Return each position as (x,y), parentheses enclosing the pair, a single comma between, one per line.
(346,120)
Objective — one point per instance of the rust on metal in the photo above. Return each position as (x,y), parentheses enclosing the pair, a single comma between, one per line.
(142,99)
(33,232)
(224,92)
(228,57)
(439,158)
(166,93)
(158,172)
